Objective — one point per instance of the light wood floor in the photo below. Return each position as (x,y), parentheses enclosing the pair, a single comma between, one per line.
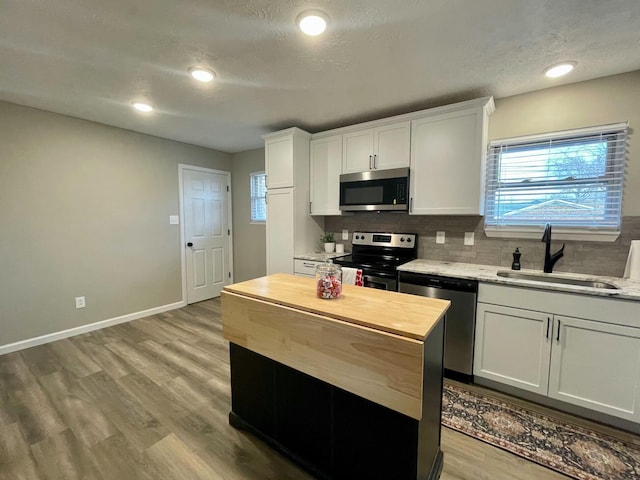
(149,400)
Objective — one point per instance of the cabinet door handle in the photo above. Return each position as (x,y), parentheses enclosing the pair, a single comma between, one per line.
(548,322)
(312,265)
(411,204)
(375,158)
(558,335)
(370,162)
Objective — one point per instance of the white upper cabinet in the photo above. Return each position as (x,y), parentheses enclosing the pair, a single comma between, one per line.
(445,148)
(326,167)
(379,148)
(280,149)
(448,156)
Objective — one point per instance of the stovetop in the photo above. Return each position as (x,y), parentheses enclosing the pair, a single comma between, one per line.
(385,262)
(380,251)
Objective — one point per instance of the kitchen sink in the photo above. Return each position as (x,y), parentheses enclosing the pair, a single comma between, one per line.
(547,278)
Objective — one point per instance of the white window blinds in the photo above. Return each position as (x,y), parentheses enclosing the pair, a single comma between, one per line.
(258,197)
(572,179)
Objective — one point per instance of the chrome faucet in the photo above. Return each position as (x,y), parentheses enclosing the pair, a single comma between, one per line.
(550,260)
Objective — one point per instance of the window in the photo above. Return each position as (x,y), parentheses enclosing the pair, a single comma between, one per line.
(258,197)
(571,179)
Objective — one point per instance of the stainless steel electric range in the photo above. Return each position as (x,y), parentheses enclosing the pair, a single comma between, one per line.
(378,255)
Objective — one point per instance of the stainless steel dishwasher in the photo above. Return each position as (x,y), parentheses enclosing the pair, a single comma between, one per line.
(460,326)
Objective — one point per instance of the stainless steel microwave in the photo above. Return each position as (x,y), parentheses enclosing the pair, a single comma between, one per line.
(375,190)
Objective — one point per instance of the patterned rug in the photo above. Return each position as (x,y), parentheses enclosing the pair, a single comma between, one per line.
(564,447)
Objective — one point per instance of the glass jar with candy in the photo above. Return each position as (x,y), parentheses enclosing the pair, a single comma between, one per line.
(328,281)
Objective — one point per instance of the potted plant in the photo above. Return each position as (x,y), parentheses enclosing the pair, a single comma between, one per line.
(329,242)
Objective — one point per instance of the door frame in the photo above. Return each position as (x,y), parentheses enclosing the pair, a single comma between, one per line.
(183,252)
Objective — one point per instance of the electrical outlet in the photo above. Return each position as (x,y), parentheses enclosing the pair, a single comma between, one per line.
(174,220)
(469,238)
(80,302)
(345,234)
(440,237)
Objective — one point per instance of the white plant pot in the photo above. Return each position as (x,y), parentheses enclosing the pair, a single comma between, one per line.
(328,247)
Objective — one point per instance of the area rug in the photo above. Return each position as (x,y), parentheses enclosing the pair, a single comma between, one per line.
(567,448)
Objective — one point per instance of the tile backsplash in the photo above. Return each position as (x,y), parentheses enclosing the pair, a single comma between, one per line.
(593,258)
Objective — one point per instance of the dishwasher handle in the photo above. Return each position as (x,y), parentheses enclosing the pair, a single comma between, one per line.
(437,281)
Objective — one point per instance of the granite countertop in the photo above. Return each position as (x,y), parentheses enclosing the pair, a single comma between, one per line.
(319,256)
(628,289)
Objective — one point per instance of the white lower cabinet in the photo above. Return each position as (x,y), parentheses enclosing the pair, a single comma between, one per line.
(589,362)
(596,365)
(513,347)
(305,268)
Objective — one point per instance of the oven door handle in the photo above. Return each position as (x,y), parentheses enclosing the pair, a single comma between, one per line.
(368,273)
(385,283)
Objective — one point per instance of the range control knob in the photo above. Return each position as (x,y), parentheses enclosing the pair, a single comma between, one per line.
(409,240)
(357,237)
(402,239)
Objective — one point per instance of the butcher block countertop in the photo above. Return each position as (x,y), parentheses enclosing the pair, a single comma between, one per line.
(369,342)
(409,316)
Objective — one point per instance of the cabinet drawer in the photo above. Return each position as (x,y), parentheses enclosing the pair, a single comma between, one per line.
(305,267)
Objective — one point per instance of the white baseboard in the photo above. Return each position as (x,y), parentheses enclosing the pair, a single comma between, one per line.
(52,337)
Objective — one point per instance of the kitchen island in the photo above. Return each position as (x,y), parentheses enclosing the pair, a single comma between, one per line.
(349,387)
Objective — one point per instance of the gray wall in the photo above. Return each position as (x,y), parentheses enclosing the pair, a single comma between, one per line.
(596,102)
(249,240)
(85,210)
(606,100)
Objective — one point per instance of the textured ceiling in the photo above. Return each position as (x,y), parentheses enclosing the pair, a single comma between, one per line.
(91,58)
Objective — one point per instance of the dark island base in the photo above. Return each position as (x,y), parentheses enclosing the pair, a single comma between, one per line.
(240,424)
(332,433)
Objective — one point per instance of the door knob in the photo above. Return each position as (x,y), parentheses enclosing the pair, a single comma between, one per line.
(189,244)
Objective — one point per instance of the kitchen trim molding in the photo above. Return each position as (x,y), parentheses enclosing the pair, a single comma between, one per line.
(486,102)
(72,332)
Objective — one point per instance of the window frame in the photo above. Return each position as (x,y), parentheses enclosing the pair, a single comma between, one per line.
(615,157)
(253,198)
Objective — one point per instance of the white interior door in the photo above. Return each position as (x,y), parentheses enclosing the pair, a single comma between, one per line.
(206,229)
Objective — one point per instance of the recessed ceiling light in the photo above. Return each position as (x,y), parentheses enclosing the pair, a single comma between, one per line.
(202,74)
(559,69)
(142,107)
(312,22)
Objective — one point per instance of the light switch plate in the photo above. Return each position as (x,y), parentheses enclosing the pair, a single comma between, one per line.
(440,237)
(345,234)
(469,238)
(174,220)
